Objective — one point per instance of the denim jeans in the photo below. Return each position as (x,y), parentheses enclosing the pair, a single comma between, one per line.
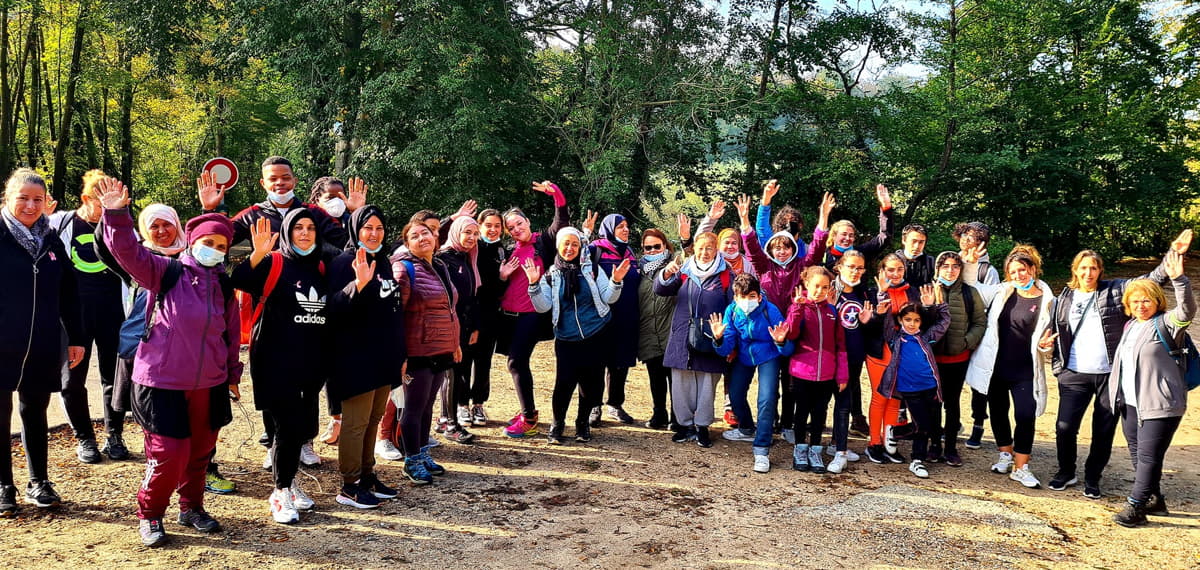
(739,386)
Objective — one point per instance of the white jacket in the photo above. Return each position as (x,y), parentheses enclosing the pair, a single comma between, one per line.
(983,360)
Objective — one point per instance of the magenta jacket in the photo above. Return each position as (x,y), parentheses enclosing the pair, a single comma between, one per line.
(820,343)
(194,339)
(779,281)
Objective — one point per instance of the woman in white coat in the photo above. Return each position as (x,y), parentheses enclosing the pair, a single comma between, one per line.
(1008,366)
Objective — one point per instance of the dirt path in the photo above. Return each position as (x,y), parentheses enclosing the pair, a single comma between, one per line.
(629,498)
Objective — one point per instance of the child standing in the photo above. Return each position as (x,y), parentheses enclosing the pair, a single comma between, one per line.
(818,367)
(912,374)
(759,335)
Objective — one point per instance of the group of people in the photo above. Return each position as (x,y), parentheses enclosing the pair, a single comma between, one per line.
(412,316)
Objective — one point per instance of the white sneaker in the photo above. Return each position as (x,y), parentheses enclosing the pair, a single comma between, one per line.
(267,464)
(789,435)
(1025,477)
(387,450)
(308,457)
(283,510)
(1004,464)
(889,444)
(918,469)
(832,451)
(762,464)
(464,416)
(300,499)
(736,434)
(838,463)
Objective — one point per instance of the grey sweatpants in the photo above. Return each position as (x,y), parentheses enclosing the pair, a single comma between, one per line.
(692,394)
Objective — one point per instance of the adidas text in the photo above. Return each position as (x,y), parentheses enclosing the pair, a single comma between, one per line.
(309,319)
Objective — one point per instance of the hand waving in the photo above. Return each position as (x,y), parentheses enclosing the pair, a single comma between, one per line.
(262,237)
(1181,243)
(618,272)
(546,187)
(716,210)
(531,271)
(209,191)
(1173,263)
(770,189)
(508,267)
(113,194)
(363,272)
(743,208)
(779,332)
(885,199)
(717,324)
(357,194)
(684,225)
(927,296)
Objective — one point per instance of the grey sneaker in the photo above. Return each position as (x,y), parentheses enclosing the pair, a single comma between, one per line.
(199,520)
(152,532)
(42,494)
(596,417)
(816,461)
(8,501)
(737,434)
(88,451)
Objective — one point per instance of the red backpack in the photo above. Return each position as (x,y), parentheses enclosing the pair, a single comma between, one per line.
(251,309)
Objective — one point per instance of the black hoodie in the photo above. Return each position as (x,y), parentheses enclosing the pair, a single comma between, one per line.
(288,345)
(367,326)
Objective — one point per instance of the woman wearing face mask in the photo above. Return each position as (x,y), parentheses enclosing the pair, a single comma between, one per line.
(491,258)
(431,331)
(521,325)
(654,324)
(613,249)
(968,321)
(578,295)
(292,322)
(1089,320)
(329,193)
(39,294)
(1008,366)
(367,330)
(461,256)
(187,367)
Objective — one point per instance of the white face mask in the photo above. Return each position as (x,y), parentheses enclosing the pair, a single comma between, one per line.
(850,283)
(281,199)
(207,256)
(334,207)
(746,305)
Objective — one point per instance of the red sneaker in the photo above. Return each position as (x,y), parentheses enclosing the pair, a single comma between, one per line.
(730,418)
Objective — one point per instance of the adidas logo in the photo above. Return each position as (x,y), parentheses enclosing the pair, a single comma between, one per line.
(311,304)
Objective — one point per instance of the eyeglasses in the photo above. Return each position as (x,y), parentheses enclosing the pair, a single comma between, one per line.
(652,248)
(854,269)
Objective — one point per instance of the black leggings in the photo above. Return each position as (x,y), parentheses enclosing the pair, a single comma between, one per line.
(660,387)
(417,414)
(787,401)
(101,320)
(523,337)
(577,365)
(845,404)
(1075,392)
(34,434)
(615,378)
(1148,443)
(811,401)
(1024,407)
(952,375)
(473,376)
(926,414)
(294,421)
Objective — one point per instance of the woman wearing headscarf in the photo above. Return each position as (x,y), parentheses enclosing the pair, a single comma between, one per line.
(460,254)
(291,287)
(39,301)
(611,250)
(367,330)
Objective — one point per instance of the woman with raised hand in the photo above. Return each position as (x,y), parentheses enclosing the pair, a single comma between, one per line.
(613,249)
(843,235)
(186,368)
(367,331)
(654,324)
(521,325)
(292,288)
(702,285)
(577,293)
(1008,366)
(1147,385)
(40,299)
(431,334)
(1089,319)
(461,256)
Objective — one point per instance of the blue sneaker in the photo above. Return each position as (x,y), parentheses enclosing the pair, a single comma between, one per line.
(414,469)
(430,465)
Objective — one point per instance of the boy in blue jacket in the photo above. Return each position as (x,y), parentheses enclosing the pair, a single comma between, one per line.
(759,338)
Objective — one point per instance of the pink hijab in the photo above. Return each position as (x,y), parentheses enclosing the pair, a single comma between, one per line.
(454,242)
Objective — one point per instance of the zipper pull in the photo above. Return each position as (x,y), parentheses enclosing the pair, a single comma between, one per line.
(35,270)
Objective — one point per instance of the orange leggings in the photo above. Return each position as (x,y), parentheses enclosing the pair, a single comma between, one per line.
(883,410)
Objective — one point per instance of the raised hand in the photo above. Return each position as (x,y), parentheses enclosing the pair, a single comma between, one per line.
(531,271)
(618,272)
(1047,340)
(262,237)
(209,191)
(50,206)
(1173,264)
(508,267)
(113,194)
(1183,242)
(357,194)
(882,283)
(864,316)
(716,210)
(546,187)
(363,272)
(972,255)
(828,203)
(799,296)
(779,332)
(743,208)
(589,224)
(885,199)
(770,189)
(717,324)
(684,225)
(927,296)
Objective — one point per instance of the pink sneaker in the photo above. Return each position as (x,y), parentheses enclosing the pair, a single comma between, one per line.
(521,427)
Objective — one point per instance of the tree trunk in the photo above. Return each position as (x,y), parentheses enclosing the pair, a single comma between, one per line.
(943,169)
(6,106)
(64,129)
(33,127)
(753,148)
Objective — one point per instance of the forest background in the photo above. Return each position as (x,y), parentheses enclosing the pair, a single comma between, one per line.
(1063,123)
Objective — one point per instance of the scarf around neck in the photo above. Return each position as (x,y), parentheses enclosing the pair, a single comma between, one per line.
(30,238)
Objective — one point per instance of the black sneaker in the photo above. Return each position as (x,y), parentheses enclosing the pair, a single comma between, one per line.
(683,434)
(620,415)
(1133,515)
(583,432)
(876,454)
(1157,506)
(1092,490)
(935,453)
(115,448)
(1061,481)
(976,439)
(8,501)
(199,520)
(859,427)
(87,451)
(371,483)
(555,435)
(894,457)
(41,493)
(658,421)
(152,532)
(355,496)
(702,438)
(458,434)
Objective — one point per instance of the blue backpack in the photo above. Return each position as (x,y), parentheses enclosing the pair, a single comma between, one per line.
(1185,356)
(136,328)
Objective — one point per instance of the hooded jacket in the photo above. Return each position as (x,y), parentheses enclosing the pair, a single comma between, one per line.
(820,343)
(194,340)
(1161,387)
(366,327)
(750,335)
(431,326)
(779,281)
(289,348)
(623,343)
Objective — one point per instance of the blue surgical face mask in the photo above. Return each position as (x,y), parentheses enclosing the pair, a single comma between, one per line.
(746,305)
(310,249)
(1027,286)
(487,239)
(281,199)
(655,257)
(945,282)
(369,250)
(841,249)
(207,256)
